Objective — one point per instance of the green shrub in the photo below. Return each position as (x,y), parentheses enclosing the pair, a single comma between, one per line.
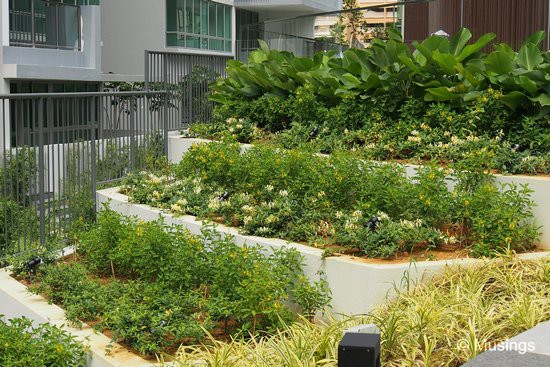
(25,345)
(326,200)
(16,223)
(446,321)
(397,104)
(18,174)
(155,286)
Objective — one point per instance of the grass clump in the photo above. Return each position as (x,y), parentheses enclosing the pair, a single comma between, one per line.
(444,322)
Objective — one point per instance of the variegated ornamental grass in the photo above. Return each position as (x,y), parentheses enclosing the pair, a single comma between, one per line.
(443,322)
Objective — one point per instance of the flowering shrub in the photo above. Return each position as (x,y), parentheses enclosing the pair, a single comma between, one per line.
(484,131)
(342,200)
(155,286)
(22,344)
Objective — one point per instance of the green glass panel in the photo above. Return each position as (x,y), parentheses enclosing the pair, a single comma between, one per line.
(216,45)
(197,16)
(220,19)
(171,39)
(171,15)
(204,17)
(228,46)
(58,88)
(212,19)
(228,23)
(189,16)
(192,42)
(204,42)
(67,27)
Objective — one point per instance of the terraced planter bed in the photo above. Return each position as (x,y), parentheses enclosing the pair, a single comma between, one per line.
(153,287)
(356,285)
(17,301)
(178,146)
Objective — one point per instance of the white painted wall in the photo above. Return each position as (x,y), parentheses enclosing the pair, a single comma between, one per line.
(129,27)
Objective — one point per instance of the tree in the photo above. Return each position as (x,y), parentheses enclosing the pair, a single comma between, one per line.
(354,22)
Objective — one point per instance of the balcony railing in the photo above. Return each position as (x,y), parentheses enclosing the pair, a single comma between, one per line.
(44,24)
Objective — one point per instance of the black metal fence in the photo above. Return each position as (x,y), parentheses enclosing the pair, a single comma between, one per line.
(186,78)
(56,149)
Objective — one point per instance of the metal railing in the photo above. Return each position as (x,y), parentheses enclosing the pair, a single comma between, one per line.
(186,77)
(44,24)
(300,46)
(56,149)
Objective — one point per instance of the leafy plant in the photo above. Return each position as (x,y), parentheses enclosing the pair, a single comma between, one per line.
(330,200)
(23,344)
(155,286)
(446,321)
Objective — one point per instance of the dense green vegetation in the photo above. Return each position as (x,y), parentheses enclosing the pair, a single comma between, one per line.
(342,200)
(25,345)
(445,322)
(446,100)
(155,287)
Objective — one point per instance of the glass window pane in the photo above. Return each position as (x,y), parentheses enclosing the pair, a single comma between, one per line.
(171,39)
(68,27)
(227,33)
(171,15)
(220,16)
(197,17)
(228,46)
(204,42)
(192,41)
(189,16)
(212,18)
(204,17)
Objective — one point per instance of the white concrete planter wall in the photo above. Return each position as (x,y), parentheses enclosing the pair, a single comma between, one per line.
(177,146)
(16,301)
(357,286)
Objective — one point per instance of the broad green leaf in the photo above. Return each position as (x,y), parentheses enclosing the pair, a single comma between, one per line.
(499,63)
(543,99)
(536,38)
(526,83)
(459,40)
(441,94)
(445,61)
(529,56)
(514,99)
(477,46)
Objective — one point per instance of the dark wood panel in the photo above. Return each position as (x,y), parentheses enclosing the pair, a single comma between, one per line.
(416,22)
(511,20)
(445,15)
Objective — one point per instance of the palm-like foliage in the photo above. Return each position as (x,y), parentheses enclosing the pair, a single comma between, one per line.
(455,70)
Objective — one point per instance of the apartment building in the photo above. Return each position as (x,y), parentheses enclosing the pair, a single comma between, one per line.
(202,27)
(49,46)
(379,16)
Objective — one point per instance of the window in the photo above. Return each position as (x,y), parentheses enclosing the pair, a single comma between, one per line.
(201,24)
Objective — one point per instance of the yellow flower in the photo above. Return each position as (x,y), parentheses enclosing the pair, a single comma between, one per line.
(59,348)
(139,231)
